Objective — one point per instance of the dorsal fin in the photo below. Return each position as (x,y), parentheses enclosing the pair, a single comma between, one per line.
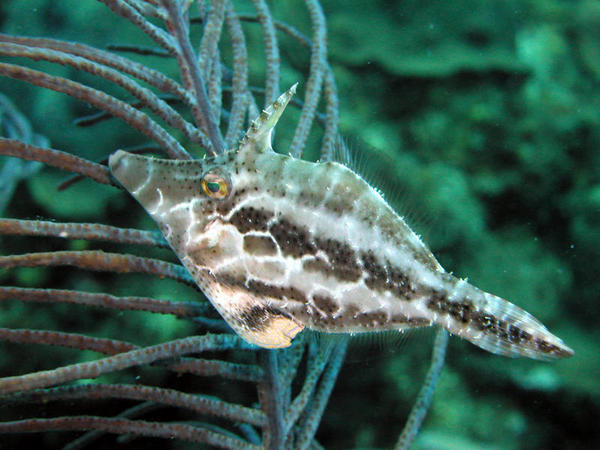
(258,136)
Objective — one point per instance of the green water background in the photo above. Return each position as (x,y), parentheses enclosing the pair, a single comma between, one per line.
(480,120)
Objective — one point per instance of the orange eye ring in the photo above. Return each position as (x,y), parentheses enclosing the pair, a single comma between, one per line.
(215,186)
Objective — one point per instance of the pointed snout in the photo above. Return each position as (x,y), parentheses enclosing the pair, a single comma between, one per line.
(130,170)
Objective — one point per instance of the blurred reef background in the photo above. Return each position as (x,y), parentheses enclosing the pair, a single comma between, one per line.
(481,122)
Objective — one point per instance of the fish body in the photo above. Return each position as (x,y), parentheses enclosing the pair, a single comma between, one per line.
(278,244)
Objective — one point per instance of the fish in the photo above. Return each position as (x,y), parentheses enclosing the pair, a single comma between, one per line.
(279,244)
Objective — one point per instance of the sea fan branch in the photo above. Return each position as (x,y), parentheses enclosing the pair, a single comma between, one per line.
(158,35)
(100,261)
(272,90)
(82,231)
(423,401)
(202,404)
(315,79)
(101,100)
(179,309)
(56,158)
(117,62)
(190,73)
(240,92)
(133,358)
(314,371)
(312,415)
(269,392)
(125,426)
(147,98)
(71,340)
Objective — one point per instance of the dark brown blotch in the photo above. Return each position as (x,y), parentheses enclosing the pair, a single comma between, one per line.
(546,347)
(376,278)
(341,321)
(484,322)
(401,319)
(386,277)
(463,312)
(343,259)
(296,241)
(325,304)
(517,335)
(250,219)
(293,240)
(317,265)
(259,245)
(400,284)
(279,292)
(371,319)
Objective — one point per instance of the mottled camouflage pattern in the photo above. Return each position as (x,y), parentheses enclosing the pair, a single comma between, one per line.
(299,244)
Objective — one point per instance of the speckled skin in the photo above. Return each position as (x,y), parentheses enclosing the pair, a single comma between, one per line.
(298,244)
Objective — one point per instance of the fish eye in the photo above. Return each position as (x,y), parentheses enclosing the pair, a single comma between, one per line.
(215,185)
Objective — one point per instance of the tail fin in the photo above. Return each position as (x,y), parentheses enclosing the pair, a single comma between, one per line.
(496,325)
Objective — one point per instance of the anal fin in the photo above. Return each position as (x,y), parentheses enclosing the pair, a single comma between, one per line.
(254,318)
(278,333)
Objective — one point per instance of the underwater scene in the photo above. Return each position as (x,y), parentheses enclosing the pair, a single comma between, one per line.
(246,297)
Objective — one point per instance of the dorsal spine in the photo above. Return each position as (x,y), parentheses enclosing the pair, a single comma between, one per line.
(261,128)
